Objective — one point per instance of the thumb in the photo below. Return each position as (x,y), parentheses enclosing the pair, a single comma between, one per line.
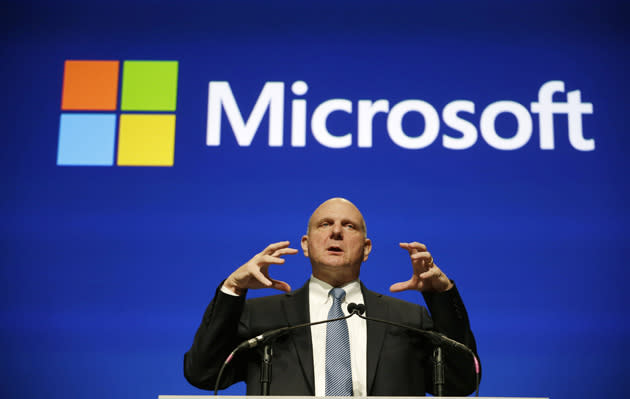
(280,285)
(400,286)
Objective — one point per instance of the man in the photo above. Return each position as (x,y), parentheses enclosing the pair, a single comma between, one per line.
(383,360)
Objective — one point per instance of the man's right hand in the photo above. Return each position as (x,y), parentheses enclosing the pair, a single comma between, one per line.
(255,273)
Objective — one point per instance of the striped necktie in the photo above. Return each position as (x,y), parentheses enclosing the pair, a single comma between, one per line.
(338,365)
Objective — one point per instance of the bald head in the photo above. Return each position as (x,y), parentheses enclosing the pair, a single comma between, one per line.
(344,206)
(336,242)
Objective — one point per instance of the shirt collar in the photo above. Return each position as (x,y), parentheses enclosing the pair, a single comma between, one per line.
(319,289)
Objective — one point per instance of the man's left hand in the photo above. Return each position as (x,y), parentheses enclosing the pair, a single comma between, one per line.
(427,277)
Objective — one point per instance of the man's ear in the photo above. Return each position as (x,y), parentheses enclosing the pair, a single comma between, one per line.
(367,248)
(305,245)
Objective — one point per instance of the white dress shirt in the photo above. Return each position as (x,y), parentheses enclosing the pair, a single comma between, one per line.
(319,305)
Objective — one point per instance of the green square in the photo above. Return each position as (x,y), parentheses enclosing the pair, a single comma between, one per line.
(149,86)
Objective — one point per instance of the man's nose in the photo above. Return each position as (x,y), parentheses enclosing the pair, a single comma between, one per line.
(337,231)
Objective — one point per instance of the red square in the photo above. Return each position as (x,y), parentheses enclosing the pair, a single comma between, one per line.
(90,85)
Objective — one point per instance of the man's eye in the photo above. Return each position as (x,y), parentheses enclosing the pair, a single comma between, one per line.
(350,226)
(325,224)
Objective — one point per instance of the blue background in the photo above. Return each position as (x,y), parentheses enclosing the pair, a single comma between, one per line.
(106,271)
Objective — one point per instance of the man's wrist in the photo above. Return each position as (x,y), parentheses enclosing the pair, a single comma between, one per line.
(449,286)
(231,290)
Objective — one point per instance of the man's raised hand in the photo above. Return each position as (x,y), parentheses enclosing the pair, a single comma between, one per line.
(255,273)
(427,277)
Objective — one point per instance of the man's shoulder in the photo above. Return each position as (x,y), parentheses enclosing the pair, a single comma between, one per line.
(390,300)
(266,300)
(276,299)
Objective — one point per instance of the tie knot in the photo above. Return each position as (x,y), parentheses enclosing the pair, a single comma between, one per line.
(338,293)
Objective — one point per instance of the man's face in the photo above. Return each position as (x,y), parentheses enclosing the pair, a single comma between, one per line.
(336,243)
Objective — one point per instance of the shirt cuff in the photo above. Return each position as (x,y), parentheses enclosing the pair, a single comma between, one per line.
(228,291)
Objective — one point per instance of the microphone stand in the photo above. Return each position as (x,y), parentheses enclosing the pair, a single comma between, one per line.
(438,371)
(267,339)
(265,369)
(437,339)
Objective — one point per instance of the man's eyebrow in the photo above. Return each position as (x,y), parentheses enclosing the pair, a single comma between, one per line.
(355,222)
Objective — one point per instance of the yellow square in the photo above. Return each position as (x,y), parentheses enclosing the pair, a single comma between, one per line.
(146,140)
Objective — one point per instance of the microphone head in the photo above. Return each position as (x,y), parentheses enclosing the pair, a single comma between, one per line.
(356,308)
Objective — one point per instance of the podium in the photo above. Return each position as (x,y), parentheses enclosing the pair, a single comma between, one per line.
(339,397)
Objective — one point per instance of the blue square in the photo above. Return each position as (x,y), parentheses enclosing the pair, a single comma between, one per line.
(87,139)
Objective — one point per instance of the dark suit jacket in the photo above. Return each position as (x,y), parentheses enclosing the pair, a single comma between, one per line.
(398,360)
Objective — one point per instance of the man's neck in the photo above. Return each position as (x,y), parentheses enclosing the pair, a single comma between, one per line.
(326,284)
(335,279)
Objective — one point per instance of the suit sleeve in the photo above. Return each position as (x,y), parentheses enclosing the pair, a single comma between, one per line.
(451,319)
(216,337)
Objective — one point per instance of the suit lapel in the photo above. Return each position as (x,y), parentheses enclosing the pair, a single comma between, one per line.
(376,308)
(296,309)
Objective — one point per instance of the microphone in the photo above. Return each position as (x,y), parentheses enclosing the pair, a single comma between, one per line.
(264,337)
(357,309)
(273,334)
(434,337)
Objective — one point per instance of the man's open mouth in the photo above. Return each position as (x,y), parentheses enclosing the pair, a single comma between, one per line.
(335,249)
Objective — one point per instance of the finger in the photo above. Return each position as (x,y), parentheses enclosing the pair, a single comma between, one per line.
(405,245)
(422,256)
(417,246)
(271,248)
(413,247)
(284,251)
(433,272)
(281,285)
(261,278)
(271,260)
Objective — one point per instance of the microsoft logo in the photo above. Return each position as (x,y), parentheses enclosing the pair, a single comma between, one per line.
(90,122)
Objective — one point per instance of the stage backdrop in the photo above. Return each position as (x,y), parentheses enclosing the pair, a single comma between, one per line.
(151,147)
